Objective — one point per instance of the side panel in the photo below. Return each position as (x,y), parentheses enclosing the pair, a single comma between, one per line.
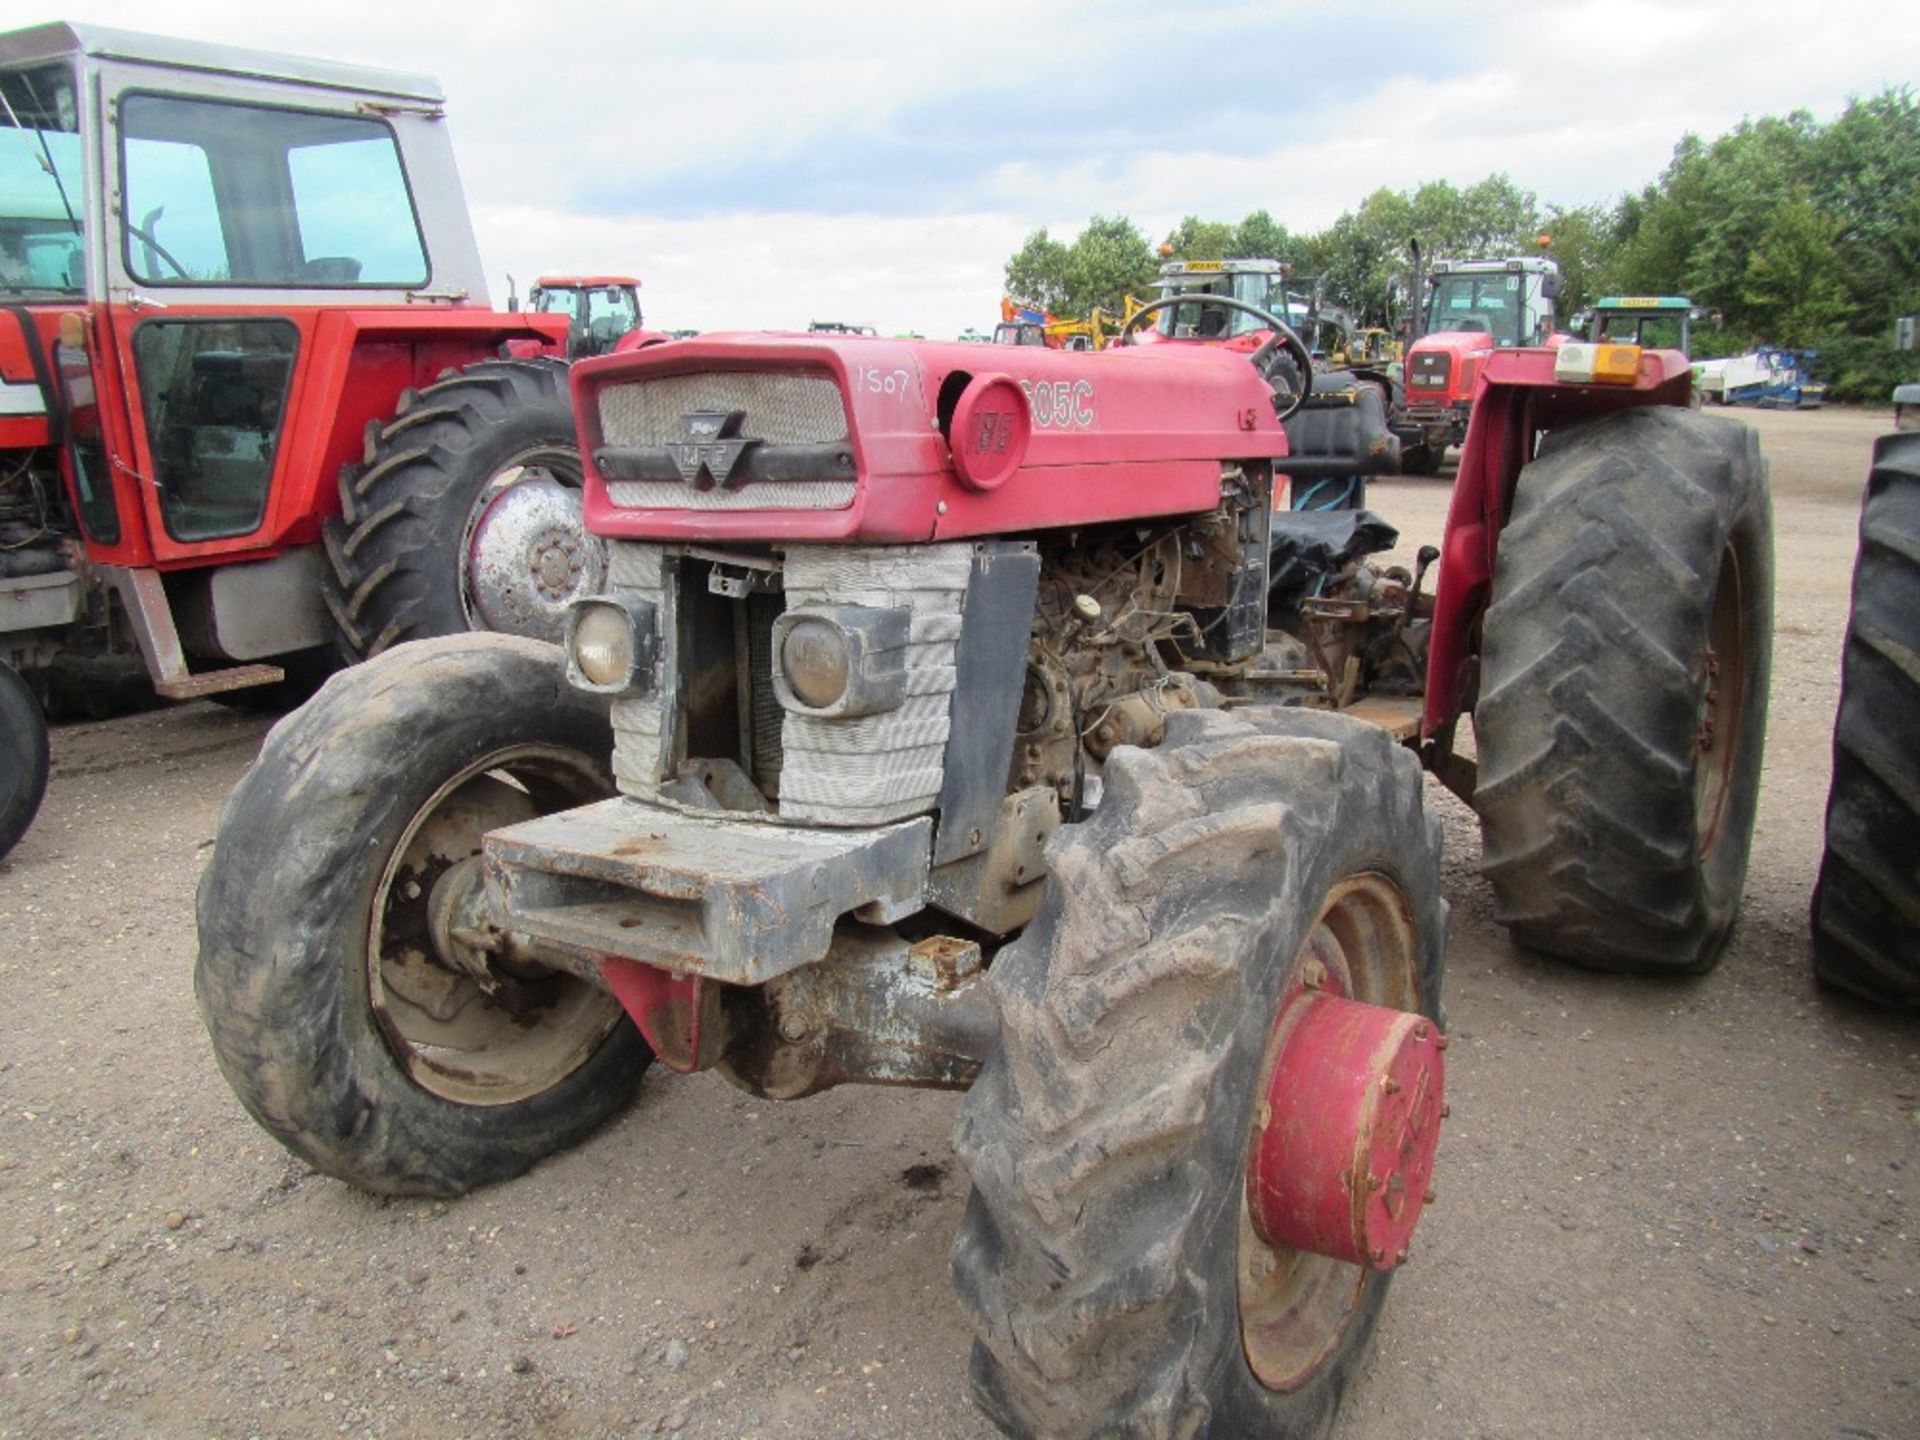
(349,367)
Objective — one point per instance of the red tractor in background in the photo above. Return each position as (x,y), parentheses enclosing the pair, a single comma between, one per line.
(1474,309)
(253,411)
(987,718)
(603,314)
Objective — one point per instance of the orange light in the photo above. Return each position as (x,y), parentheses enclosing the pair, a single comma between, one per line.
(1579,363)
(73,330)
(1616,364)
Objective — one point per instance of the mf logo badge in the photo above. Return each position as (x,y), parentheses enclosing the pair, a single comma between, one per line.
(713,447)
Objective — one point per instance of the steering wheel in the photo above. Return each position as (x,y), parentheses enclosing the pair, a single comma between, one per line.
(1265,359)
(143,232)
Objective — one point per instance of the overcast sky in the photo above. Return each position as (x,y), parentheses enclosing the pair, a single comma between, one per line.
(766,164)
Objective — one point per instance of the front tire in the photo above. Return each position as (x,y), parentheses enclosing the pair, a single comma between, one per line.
(466,514)
(1623,705)
(1866,917)
(337,1012)
(26,758)
(1104,1259)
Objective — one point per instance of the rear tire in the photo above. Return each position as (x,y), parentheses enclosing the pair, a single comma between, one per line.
(1623,706)
(431,538)
(1866,905)
(334,1013)
(1100,1258)
(26,757)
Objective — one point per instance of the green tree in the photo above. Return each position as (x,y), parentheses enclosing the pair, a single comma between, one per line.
(1197,239)
(1037,272)
(1583,243)
(1790,231)
(1107,260)
(1791,287)
(1259,237)
(1864,173)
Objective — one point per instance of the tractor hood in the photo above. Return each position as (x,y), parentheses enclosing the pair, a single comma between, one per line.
(837,437)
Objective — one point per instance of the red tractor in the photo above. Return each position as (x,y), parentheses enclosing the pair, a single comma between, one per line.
(986,719)
(603,315)
(252,412)
(1475,308)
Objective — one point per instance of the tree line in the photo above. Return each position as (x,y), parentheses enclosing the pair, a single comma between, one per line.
(1785,230)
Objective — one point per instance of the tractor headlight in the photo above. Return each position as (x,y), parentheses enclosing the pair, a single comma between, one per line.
(841,661)
(816,661)
(610,644)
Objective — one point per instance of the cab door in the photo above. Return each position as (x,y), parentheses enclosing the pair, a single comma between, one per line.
(238,224)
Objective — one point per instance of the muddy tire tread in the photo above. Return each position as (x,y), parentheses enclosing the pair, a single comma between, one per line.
(25,751)
(1087,1255)
(1866,904)
(1594,669)
(284,906)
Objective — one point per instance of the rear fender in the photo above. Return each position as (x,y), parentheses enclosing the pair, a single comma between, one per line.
(361,360)
(1517,400)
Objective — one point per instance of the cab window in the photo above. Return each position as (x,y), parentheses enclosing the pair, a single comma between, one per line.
(219,193)
(40,183)
(214,393)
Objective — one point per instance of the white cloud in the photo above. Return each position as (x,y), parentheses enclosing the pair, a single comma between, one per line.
(758,271)
(1577,101)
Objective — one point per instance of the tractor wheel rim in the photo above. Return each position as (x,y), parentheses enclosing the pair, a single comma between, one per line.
(465,1031)
(1295,1307)
(526,553)
(1717,737)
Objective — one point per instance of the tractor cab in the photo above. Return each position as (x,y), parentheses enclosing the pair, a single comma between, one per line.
(176,220)
(218,267)
(1475,308)
(600,309)
(1653,322)
(1508,301)
(1260,283)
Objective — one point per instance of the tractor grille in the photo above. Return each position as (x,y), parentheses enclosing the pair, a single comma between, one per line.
(782,408)
(754,495)
(1429,370)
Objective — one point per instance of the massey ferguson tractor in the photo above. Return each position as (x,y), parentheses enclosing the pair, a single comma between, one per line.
(603,313)
(252,414)
(1475,308)
(984,718)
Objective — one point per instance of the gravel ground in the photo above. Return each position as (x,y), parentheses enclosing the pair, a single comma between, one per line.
(1665,1209)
